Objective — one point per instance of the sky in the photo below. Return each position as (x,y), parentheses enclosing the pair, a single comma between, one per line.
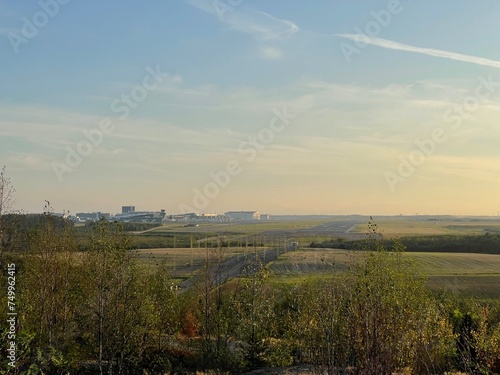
(284,106)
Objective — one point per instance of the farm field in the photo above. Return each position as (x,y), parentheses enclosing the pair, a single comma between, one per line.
(467,274)
(414,226)
(184,262)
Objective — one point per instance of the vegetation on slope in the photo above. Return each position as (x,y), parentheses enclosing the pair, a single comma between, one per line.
(484,244)
(102,311)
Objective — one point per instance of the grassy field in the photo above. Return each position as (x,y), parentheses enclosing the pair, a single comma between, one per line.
(431,264)
(413,226)
(468,274)
(184,262)
(455,264)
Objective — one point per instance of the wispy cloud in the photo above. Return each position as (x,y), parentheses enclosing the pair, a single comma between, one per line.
(389,44)
(271,53)
(256,23)
(23,161)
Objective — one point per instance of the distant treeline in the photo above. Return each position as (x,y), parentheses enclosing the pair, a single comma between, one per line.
(15,229)
(27,222)
(484,244)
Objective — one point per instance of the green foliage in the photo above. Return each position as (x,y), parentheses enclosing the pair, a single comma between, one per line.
(116,308)
(164,306)
(477,331)
(17,229)
(253,304)
(45,298)
(103,310)
(390,305)
(487,243)
(6,201)
(378,318)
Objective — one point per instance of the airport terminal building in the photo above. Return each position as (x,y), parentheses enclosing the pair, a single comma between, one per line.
(243,215)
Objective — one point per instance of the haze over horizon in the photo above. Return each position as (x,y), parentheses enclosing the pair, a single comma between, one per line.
(284,107)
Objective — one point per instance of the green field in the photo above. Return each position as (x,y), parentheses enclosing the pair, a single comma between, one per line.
(464,273)
(467,274)
(184,262)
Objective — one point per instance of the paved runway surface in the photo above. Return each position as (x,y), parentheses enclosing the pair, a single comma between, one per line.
(338,228)
(335,227)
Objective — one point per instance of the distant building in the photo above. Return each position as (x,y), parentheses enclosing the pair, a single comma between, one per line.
(92,216)
(265,217)
(243,215)
(198,218)
(134,216)
(127,209)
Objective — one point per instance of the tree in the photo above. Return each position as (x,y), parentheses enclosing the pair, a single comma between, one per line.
(116,314)
(254,308)
(323,325)
(377,318)
(487,340)
(161,310)
(392,315)
(48,298)
(6,203)
(211,304)
(216,315)
(163,296)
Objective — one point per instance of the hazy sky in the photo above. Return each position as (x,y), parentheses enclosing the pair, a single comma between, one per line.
(285,106)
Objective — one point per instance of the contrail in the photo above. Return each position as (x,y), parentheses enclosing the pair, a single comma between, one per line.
(384,43)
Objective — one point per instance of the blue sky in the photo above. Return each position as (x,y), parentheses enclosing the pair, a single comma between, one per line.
(224,69)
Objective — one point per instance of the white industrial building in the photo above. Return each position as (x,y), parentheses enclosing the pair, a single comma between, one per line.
(243,215)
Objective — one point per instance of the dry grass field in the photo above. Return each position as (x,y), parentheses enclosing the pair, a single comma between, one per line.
(469,274)
(184,262)
(414,226)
